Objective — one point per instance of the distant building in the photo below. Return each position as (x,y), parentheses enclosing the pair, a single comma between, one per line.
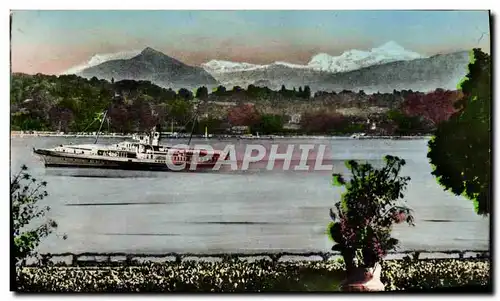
(295,119)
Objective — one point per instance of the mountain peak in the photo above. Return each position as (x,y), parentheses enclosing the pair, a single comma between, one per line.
(152,55)
(149,50)
(154,66)
(390,46)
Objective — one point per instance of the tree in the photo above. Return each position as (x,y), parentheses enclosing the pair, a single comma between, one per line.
(169,95)
(237,89)
(25,193)
(269,124)
(307,92)
(322,122)
(405,124)
(243,115)
(253,91)
(220,91)
(435,106)
(119,117)
(180,110)
(160,113)
(460,150)
(61,118)
(185,94)
(142,114)
(202,93)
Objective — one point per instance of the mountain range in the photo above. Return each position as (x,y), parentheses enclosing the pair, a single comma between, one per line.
(349,60)
(380,69)
(426,74)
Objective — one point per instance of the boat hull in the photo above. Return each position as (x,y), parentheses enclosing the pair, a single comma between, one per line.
(54,159)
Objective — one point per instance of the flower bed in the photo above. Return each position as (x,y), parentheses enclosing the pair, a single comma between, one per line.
(242,276)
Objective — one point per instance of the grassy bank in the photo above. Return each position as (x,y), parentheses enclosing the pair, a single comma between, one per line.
(244,276)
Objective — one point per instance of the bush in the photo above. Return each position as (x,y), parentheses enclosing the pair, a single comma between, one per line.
(372,203)
(242,276)
(25,193)
(430,274)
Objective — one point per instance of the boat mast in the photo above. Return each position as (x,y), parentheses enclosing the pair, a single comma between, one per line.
(100,127)
(192,129)
(195,119)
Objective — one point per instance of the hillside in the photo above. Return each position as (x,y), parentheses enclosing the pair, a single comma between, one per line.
(73,103)
(154,66)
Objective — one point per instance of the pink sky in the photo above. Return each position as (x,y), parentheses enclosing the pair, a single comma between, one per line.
(51,42)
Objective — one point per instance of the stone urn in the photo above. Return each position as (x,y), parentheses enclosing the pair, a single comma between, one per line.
(363,279)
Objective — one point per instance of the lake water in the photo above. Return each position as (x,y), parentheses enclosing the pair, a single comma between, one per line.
(236,211)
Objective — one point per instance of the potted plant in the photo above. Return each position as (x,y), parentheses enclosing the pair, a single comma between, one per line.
(364,217)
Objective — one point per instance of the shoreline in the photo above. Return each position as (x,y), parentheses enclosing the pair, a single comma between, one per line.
(20,134)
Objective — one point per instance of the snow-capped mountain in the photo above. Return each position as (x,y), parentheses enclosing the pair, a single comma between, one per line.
(349,60)
(357,59)
(101,58)
(424,74)
(290,65)
(381,69)
(221,66)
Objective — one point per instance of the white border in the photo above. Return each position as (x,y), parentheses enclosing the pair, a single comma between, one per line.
(255,4)
(200,4)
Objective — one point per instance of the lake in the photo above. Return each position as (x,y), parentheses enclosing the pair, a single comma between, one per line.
(236,211)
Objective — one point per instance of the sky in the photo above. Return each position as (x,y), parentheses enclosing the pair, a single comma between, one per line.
(51,42)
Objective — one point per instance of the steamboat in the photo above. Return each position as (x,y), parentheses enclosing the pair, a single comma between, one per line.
(142,152)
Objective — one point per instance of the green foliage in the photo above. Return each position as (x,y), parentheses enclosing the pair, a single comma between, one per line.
(429,274)
(338,180)
(202,93)
(364,216)
(185,94)
(70,103)
(220,91)
(25,193)
(406,124)
(242,276)
(460,150)
(179,110)
(307,92)
(268,124)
